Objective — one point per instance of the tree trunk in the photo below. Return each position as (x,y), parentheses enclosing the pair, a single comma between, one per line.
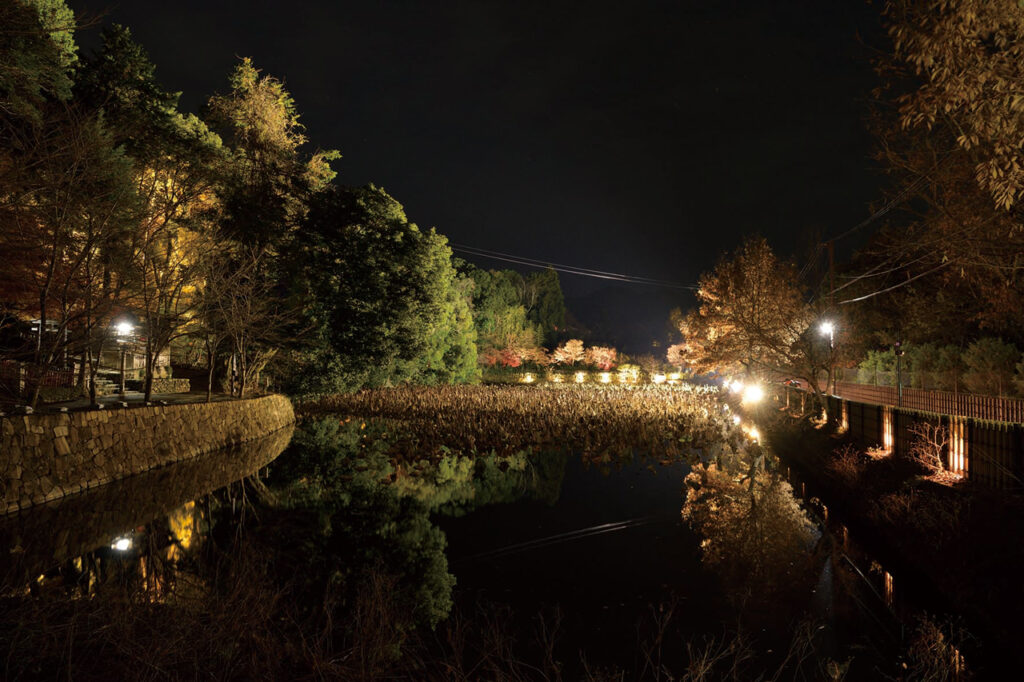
(150,362)
(241,374)
(210,360)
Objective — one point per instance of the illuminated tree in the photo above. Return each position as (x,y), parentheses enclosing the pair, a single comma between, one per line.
(676,355)
(753,318)
(381,297)
(266,189)
(601,357)
(37,56)
(502,322)
(177,164)
(949,120)
(569,353)
(64,224)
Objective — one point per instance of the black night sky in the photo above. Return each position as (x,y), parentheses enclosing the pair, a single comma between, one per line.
(643,138)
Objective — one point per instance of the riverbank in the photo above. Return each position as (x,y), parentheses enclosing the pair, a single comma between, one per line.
(953,543)
(47,456)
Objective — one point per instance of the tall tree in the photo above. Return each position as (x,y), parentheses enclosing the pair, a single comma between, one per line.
(753,318)
(178,161)
(542,297)
(381,297)
(949,120)
(266,190)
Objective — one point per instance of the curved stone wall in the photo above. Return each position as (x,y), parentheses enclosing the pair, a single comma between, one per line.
(45,457)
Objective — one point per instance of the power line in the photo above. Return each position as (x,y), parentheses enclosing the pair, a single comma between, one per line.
(569,269)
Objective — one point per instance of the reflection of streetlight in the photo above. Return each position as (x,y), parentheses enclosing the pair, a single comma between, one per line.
(124,330)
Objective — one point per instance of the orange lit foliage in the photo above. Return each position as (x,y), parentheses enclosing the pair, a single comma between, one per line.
(601,357)
(676,355)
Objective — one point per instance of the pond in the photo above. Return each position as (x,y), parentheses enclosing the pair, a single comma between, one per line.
(535,565)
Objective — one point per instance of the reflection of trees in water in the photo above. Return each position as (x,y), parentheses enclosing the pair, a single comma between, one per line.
(347,514)
(757,538)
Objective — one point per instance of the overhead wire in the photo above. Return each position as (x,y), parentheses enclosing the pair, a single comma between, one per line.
(568,269)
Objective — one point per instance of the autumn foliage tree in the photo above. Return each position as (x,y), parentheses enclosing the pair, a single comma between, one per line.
(949,120)
(569,353)
(753,318)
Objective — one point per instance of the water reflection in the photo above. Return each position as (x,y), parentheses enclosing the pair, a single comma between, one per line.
(43,537)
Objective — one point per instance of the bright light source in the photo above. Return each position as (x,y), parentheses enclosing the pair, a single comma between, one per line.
(754,433)
(736,419)
(581,377)
(124,328)
(753,394)
(557,378)
(827,328)
(736,386)
(659,378)
(529,378)
(121,544)
(606,377)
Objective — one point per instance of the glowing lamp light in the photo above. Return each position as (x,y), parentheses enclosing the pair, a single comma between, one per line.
(753,394)
(659,378)
(754,433)
(121,544)
(557,378)
(123,328)
(736,386)
(529,378)
(674,377)
(736,419)
(581,377)
(606,377)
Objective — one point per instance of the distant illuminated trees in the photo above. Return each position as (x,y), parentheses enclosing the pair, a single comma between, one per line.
(601,357)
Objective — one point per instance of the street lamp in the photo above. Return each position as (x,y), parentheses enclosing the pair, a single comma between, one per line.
(828,328)
(124,330)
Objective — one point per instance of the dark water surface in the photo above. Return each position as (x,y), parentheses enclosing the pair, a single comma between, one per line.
(610,548)
(601,549)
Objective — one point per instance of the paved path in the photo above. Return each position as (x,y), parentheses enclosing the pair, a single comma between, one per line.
(132,398)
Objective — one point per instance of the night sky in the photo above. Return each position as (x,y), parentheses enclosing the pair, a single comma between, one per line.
(643,138)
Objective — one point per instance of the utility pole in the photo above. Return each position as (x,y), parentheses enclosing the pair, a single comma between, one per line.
(898,349)
(831,272)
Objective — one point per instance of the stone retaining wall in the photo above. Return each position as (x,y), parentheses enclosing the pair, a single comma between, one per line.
(44,457)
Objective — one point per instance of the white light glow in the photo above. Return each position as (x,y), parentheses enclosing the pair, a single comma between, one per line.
(529,378)
(124,328)
(606,377)
(736,419)
(753,394)
(659,378)
(581,377)
(121,544)
(736,386)
(827,328)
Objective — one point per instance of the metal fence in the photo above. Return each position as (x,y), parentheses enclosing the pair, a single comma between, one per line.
(940,402)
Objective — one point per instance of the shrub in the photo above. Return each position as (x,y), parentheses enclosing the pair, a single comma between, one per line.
(990,364)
